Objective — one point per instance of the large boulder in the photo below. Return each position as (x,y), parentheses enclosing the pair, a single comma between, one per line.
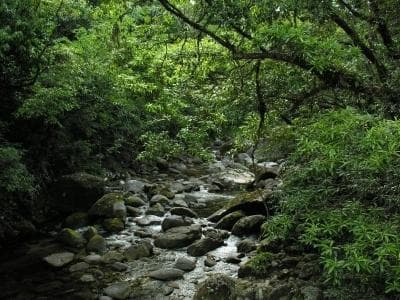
(76,192)
(248,225)
(203,246)
(175,221)
(96,244)
(109,206)
(178,237)
(185,264)
(216,287)
(113,225)
(229,220)
(232,179)
(266,170)
(139,250)
(249,202)
(183,211)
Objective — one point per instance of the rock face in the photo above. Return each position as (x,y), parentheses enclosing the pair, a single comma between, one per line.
(203,246)
(59,259)
(109,206)
(216,287)
(250,203)
(175,221)
(229,220)
(76,192)
(167,274)
(248,225)
(178,237)
(183,211)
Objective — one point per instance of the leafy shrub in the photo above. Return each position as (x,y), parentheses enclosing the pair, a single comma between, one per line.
(341,185)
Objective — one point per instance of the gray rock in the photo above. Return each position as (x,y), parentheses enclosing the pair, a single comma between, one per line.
(142,249)
(210,261)
(248,225)
(97,244)
(178,237)
(143,234)
(118,291)
(148,220)
(81,266)
(118,266)
(156,210)
(105,298)
(92,259)
(245,159)
(246,246)
(59,259)
(175,221)
(183,211)
(132,211)
(179,203)
(87,278)
(167,274)
(185,264)
(216,287)
(112,256)
(134,186)
(233,260)
(266,170)
(216,234)
(203,246)
(229,220)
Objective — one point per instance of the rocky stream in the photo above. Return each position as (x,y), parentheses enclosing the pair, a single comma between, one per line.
(186,230)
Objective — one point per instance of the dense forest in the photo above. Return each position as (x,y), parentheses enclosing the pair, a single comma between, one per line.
(120,90)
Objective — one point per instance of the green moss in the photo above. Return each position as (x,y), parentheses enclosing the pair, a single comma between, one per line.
(113,225)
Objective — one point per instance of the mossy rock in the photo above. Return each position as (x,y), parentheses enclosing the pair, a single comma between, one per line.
(77,220)
(113,225)
(71,238)
(258,266)
(90,232)
(216,287)
(134,201)
(110,205)
(96,244)
(250,203)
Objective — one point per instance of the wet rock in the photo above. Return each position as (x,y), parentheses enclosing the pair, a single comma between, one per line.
(210,261)
(250,203)
(248,225)
(183,211)
(156,210)
(246,246)
(118,266)
(216,287)
(59,259)
(80,266)
(179,203)
(233,260)
(203,246)
(77,220)
(118,291)
(109,206)
(89,233)
(112,256)
(143,234)
(233,179)
(134,201)
(178,237)
(229,220)
(167,274)
(96,244)
(76,192)
(159,199)
(148,220)
(216,234)
(113,225)
(185,264)
(71,238)
(132,211)
(139,250)
(134,186)
(175,221)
